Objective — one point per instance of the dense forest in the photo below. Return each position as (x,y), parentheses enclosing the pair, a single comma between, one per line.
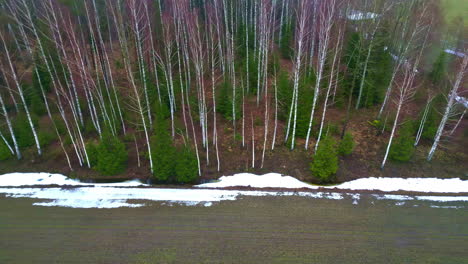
(177,89)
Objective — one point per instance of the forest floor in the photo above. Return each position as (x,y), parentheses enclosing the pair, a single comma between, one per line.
(449,161)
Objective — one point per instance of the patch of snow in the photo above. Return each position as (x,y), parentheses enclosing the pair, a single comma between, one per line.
(275,180)
(359,15)
(114,195)
(270,180)
(80,203)
(101,197)
(462,100)
(30,179)
(400,203)
(447,207)
(455,185)
(319,195)
(393,197)
(454,52)
(443,198)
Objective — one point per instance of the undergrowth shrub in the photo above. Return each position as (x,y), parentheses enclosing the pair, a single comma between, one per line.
(346,145)
(112,156)
(5,152)
(402,148)
(325,162)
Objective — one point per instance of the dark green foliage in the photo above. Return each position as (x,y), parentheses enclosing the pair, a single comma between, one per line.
(33,98)
(431,125)
(378,72)
(285,41)
(285,91)
(274,64)
(325,162)
(46,137)
(402,148)
(163,153)
(5,152)
(89,127)
(432,120)
(346,145)
(224,103)
(41,76)
(76,7)
(304,105)
(60,124)
(186,167)
(253,75)
(23,132)
(333,129)
(352,58)
(112,155)
(169,164)
(92,151)
(438,69)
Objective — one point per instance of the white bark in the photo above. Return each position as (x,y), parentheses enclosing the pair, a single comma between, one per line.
(448,108)
(20,93)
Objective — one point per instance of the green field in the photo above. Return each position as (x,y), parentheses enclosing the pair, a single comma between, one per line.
(250,230)
(455,8)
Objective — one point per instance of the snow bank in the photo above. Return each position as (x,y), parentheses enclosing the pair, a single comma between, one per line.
(41,178)
(411,184)
(275,180)
(114,195)
(270,180)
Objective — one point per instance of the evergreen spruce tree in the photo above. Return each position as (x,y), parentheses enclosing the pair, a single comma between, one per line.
(23,132)
(402,148)
(285,41)
(379,72)
(5,153)
(325,162)
(224,102)
(112,155)
(163,152)
(186,168)
(304,105)
(438,69)
(346,145)
(284,95)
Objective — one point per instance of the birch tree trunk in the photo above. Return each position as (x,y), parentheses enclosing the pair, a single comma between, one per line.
(448,108)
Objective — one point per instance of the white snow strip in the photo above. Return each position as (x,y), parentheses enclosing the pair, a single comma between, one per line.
(275,180)
(270,180)
(80,203)
(30,179)
(455,185)
(100,197)
(393,197)
(443,198)
(447,207)
(108,197)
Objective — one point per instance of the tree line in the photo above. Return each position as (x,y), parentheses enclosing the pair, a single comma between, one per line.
(93,77)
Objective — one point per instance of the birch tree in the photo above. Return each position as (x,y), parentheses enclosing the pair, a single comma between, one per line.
(451,102)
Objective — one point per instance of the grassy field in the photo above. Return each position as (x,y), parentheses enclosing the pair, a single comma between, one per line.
(251,230)
(455,8)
